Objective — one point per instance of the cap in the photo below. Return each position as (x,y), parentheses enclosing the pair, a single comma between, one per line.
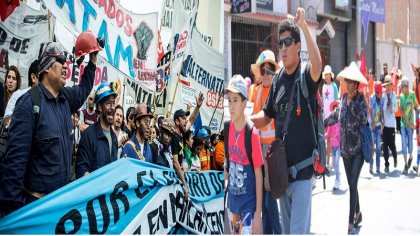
(181,113)
(404,82)
(142,110)
(104,90)
(168,125)
(237,84)
(378,87)
(49,53)
(202,133)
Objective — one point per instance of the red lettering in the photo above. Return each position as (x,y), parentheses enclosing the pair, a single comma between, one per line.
(111,9)
(97,76)
(128,29)
(213,100)
(120,18)
(103,3)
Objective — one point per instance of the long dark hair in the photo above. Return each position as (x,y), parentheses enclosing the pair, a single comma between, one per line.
(7,95)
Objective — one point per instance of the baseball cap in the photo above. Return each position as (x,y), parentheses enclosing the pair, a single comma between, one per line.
(181,113)
(237,84)
(378,87)
(404,82)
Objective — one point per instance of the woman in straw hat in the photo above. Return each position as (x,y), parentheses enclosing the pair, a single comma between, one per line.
(353,115)
(266,68)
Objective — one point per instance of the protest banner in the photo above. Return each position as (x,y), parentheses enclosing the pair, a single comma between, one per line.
(202,71)
(127,196)
(20,37)
(130,39)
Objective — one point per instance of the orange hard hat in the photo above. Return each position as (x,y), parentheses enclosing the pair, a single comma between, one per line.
(86,43)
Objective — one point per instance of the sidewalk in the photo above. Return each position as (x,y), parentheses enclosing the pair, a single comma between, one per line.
(390,203)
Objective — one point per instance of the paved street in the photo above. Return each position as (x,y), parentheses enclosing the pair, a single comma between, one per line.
(390,203)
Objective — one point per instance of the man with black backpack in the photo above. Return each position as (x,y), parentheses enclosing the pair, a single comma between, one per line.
(39,146)
(293,124)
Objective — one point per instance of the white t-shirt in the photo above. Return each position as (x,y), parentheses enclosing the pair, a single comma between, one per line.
(12,101)
(329,94)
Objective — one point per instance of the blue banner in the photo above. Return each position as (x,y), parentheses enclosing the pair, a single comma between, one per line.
(127,196)
(371,10)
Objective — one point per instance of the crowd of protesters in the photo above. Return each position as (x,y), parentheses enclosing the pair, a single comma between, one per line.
(349,101)
(77,130)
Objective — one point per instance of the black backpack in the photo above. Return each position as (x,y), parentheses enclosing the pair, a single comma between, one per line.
(248,142)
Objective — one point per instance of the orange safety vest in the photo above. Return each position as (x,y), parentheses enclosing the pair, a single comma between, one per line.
(267,133)
(205,159)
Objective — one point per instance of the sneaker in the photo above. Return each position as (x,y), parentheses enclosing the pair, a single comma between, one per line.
(386,169)
(378,171)
(405,171)
(335,189)
(395,163)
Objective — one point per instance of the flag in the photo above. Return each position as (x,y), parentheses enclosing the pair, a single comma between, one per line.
(7,7)
(161,50)
(198,123)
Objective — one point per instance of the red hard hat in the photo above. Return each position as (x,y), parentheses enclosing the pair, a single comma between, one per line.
(86,43)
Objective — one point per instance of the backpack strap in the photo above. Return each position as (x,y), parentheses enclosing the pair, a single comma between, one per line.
(248,140)
(226,139)
(36,104)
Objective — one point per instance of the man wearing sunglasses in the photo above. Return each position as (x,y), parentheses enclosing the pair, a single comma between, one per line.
(38,156)
(299,140)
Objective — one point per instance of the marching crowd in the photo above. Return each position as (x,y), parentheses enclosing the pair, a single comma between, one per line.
(349,101)
(50,141)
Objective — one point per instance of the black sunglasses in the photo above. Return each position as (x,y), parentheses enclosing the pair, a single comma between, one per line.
(265,71)
(286,41)
(59,58)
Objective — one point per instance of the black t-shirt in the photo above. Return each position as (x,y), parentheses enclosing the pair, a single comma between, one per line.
(299,140)
(177,146)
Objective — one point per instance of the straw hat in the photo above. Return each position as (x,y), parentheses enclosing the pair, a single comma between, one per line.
(327,70)
(387,80)
(265,56)
(352,72)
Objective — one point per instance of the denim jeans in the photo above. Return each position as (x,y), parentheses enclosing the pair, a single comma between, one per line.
(295,207)
(270,214)
(353,165)
(336,155)
(376,135)
(407,141)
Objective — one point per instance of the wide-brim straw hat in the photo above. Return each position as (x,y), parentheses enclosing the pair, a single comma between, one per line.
(266,56)
(352,72)
(387,80)
(327,70)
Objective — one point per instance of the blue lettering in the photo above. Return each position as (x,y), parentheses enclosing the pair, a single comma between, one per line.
(88,10)
(103,32)
(126,54)
(70,4)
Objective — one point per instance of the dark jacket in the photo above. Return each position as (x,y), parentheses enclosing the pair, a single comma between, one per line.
(40,160)
(93,150)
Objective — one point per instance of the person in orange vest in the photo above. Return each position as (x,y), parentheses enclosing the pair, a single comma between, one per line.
(266,68)
(257,77)
(205,155)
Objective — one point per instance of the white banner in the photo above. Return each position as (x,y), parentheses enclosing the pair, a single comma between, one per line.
(20,37)
(130,39)
(202,71)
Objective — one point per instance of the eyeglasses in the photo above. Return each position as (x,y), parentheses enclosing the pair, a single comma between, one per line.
(286,41)
(266,71)
(59,58)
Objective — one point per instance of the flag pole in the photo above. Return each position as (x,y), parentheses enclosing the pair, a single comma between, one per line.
(215,108)
(169,114)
